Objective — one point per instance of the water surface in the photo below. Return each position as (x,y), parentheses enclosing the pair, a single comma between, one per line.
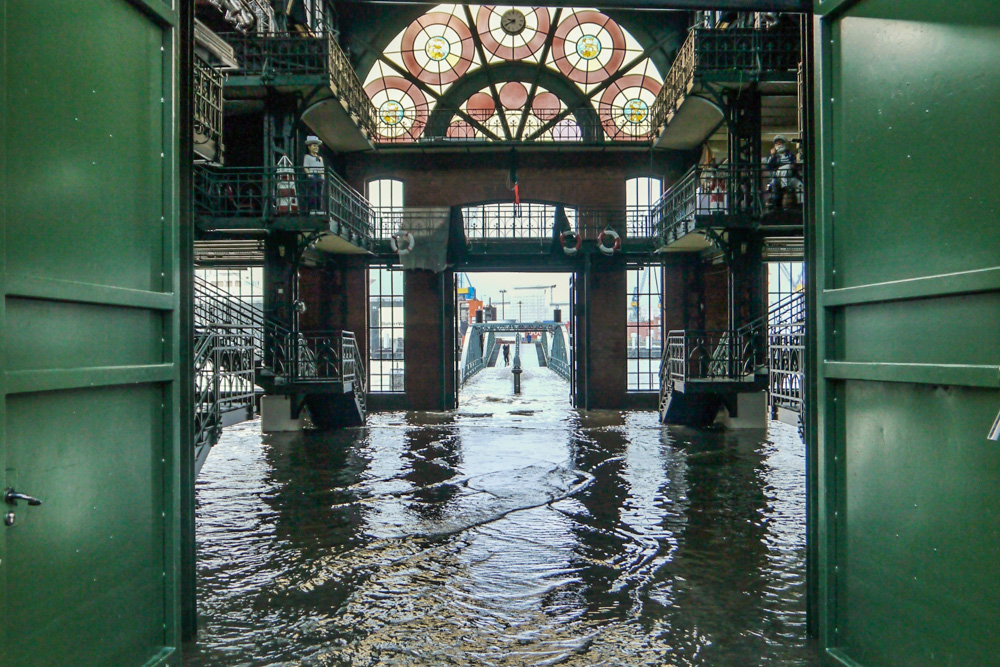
(513,531)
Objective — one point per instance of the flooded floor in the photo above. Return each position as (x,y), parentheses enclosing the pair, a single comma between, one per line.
(514,531)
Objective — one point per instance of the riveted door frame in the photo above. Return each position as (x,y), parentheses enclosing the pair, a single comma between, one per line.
(829,371)
(162,14)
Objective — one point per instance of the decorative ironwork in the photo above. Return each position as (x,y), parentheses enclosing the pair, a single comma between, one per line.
(713,355)
(262,195)
(228,335)
(281,53)
(786,334)
(715,193)
(347,87)
(208,83)
(742,54)
(278,53)
(318,357)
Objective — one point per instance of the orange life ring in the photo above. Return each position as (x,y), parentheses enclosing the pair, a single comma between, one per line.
(569,234)
(615,245)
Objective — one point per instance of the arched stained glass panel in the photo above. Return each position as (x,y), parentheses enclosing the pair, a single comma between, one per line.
(424,61)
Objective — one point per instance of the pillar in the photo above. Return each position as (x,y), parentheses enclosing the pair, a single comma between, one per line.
(600,348)
(429,340)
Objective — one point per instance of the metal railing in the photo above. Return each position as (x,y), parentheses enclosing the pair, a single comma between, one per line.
(273,54)
(208,83)
(224,362)
(741,53)
(775,341)
(786,333)
(316,356)
(745,191)
(228,334)
(533,220)
(540,125)
(557,358)
(478,353)
(264,194)
(347,87)
(713,355)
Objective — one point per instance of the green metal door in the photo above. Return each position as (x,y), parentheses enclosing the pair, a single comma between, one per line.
(88,333)
(908,275)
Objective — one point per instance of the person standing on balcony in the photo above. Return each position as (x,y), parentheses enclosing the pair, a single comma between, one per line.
(784,170)
(315,172)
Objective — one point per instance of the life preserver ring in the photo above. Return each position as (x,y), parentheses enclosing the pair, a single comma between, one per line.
(616,243)
(395,245)
(575,241)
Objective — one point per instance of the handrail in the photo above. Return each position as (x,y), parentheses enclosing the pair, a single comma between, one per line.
(271,54)
(266,194)
(712,191)
(207,85)
(742,54)
(675,84)
(225,357)
(712,355)
(347,86)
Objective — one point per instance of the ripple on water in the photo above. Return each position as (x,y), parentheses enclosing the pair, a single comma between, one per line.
(511,532)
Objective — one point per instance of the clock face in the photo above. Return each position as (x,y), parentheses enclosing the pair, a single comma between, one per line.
(512,22)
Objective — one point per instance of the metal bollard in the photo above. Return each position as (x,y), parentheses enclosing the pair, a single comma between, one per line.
(517,371)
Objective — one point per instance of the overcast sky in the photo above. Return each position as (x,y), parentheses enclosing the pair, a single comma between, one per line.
(488,285)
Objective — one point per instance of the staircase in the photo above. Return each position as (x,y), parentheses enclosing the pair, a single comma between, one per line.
(323,370)
(228,335)
(702,371)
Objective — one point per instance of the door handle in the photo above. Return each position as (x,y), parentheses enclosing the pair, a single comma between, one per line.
(11,497)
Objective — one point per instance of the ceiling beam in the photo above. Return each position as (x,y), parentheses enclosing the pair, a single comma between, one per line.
(803,6)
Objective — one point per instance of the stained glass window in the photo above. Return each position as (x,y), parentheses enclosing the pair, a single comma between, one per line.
(589,51)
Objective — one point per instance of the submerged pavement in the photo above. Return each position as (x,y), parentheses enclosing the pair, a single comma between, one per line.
(513,531)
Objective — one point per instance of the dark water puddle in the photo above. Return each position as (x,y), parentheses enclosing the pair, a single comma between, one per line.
(470,538)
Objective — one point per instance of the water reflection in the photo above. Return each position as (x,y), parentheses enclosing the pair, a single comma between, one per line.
(514,531)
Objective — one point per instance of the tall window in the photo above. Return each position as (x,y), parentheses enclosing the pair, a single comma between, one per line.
(244,283)
(644,327)
(783,279)
(640,195)
(386,197)
(385,330)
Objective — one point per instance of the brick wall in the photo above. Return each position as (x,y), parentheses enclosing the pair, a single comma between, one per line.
(573,178)
(429,342)
(601,345)
(716,280)
(336,298)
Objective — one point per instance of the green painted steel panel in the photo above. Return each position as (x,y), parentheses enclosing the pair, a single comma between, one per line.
(89,333)
(908,334)
(921,543)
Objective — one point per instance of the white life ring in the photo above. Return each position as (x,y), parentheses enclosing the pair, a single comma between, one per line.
(395,245)
(616,242)
(574,237)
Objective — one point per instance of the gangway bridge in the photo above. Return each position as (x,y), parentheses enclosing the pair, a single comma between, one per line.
(481,346)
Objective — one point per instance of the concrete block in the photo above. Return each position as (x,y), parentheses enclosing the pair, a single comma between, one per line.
(751,411)
(276,415)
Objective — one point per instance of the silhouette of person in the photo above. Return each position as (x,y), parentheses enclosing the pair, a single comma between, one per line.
(506,354)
